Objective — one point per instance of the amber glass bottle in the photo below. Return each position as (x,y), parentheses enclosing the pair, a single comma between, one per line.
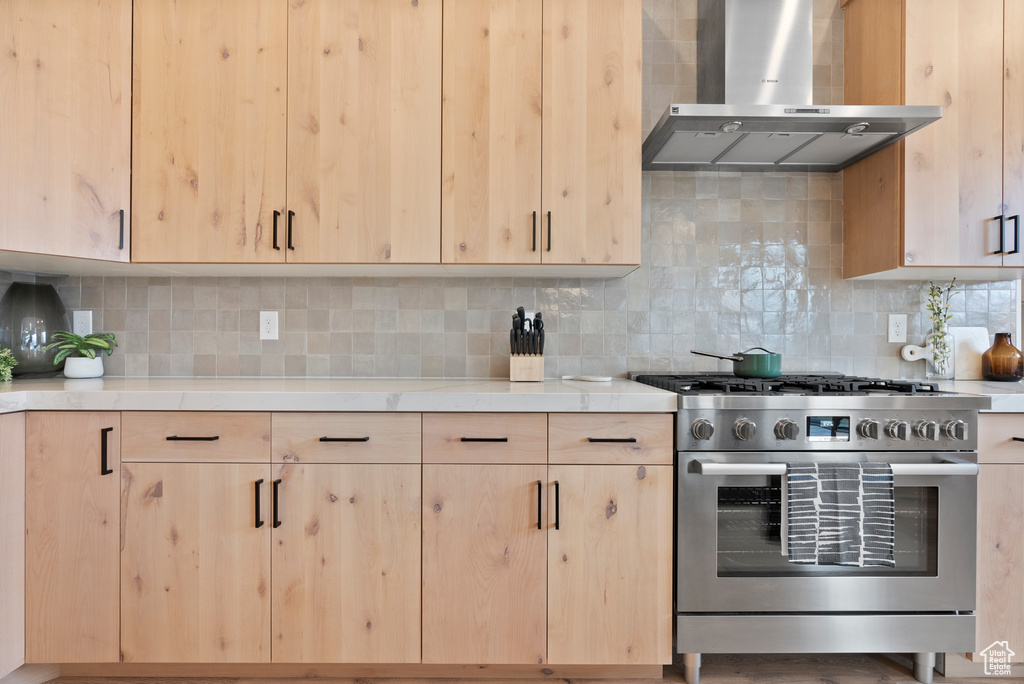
(1002,361)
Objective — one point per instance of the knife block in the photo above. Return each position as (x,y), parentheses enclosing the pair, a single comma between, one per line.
(526,368)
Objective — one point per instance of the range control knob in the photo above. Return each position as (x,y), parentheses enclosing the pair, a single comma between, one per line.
(868,429)
(897,429)
(786,429)
(955,429)
(744,429)
(926,429)
(702,429)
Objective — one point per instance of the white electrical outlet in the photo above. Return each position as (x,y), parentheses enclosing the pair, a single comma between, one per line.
(268,325)
(82,322)
(898,328)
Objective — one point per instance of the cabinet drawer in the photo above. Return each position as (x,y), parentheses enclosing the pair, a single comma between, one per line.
(610,438)
(995,438)
(346,438)
(217,436)
(485,438)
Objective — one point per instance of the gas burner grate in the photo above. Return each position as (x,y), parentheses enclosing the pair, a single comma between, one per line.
(824,384)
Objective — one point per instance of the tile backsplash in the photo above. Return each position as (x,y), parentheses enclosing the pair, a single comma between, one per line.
(731,260)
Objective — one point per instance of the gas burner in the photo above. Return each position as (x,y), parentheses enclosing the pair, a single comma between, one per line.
(820,384)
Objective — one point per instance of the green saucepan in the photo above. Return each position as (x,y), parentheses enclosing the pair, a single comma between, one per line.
(751,365)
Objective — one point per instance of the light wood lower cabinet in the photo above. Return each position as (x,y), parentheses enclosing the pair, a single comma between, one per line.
(195,563)
(610,565)
(346,564)
(71,537)
(1000,608)
(12,542)
(484,580)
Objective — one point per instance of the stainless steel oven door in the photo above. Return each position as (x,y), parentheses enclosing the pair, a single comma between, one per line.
(729,556)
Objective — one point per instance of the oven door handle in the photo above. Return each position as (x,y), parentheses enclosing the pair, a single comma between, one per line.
(950,466)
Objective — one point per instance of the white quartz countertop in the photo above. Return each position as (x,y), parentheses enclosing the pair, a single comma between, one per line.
(322,394)
(1007,397)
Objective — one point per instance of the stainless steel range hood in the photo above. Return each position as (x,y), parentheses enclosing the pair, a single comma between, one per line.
(755,87)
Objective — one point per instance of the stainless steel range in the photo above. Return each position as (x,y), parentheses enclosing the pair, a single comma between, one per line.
(736,591)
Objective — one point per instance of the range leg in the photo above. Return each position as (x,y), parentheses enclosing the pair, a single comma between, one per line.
(691,668)
(924,667)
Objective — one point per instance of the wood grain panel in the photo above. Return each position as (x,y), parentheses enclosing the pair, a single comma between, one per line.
(346,564)
(1000,606)
(195,570)
(1013,117)
(592,135)
(995,438)
(569,436)
(615,542)
(65,104)
(209,130)
(525,435)
(491,132)
(873,55)
(12,542)
(241,437)
(71,542)
(393,437)
(364,130)
(483,565)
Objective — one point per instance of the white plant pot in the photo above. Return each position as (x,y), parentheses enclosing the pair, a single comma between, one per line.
(82,367)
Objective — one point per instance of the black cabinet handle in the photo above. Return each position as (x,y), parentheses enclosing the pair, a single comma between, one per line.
(291,215)
(485,439)
(277,497)
(1002,230)
(344,439)
(549,231)
(176,438)
(1017,439)
(277,215)
(613,440)
(540,493)
(259,523)
(103,451)
(1016,234)
(534,231)
(556,504)
(120,241)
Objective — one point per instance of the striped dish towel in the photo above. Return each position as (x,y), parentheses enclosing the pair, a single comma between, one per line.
(839,514)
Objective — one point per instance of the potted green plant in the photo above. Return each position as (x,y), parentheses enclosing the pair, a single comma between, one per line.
(7,362)
(84,353)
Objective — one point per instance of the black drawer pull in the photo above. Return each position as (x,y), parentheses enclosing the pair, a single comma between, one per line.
(613,440)
(344,439)
(540,493)
(259,523)
(1017,439)
(176,438)
(277,497)
(556,505)
(103,451)
(485,439)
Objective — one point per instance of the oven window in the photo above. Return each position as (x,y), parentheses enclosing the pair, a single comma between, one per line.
(750,524)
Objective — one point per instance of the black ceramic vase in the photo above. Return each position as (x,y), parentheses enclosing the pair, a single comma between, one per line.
(29,314)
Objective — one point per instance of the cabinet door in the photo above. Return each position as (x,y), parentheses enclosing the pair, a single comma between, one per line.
(71,544)
(65,104)
(612,539)
(195,568)
(1000,609)
(346,564)
(1013,123)
(364,130)
(209,130)
(592,138)
(12,542)
(483,564)
(491,125)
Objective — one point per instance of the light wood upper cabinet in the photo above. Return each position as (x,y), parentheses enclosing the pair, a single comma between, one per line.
(209,101)
(934,200)
(592,137)
(66,133)
(12,542)
(484,582)
(195,568)
(364,130)
(346,564)
(72,539)
(614,541)
(491,159)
